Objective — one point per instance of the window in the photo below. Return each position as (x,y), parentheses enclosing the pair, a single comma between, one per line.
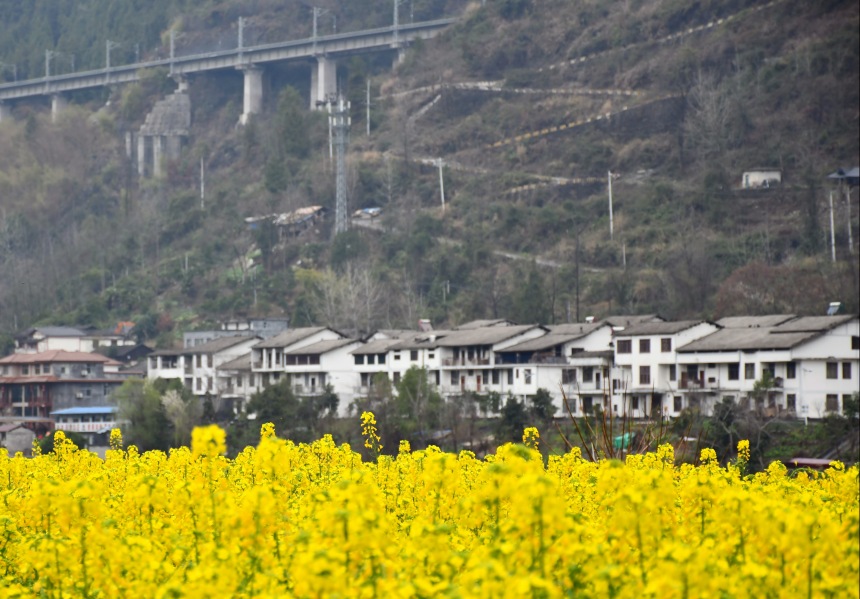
(855,342)
(644,346)
(568,376)
(371,358)
(616,384)
(359,359)
(831,403)
(677,403)
(666,344)
(634,403)
(625,346)
(397,355)
(734,371)
(510,376)
(527,376)
(25,369)
(495,377)
(791,370)
(832,370)
(209,360)
(380,358)
(673,372)
(644,375)
(749,371)
(199,360)
(413,355)
(587,373)
(431,355)
(455,377)
(846,370)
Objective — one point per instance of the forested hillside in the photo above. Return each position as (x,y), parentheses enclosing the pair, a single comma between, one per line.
(529,103)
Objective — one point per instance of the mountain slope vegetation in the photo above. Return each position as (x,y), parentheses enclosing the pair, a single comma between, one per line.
(528,103)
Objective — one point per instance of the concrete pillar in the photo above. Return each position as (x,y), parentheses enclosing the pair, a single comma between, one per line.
(323,81)
(5,112)
(58,104)
(129,145)
(401,55)
(157,155)
(173,146)
(141,155)
(181,84)
(252,97)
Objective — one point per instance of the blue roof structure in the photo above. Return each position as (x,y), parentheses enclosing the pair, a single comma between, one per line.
(85,411)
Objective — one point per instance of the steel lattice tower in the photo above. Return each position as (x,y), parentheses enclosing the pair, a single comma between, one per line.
(341,122)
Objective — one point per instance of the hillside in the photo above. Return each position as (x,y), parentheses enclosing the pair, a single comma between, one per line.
(529,103)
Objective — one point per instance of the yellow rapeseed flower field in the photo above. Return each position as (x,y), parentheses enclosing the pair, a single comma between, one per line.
(287,520)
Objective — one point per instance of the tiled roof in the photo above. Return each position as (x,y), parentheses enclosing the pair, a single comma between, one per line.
(54,355)
(658,328)
(289,337)
(320,347)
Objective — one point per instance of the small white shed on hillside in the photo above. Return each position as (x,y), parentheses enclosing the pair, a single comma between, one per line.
(761,178)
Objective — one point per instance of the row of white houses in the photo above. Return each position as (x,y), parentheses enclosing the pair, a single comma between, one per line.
(641,366)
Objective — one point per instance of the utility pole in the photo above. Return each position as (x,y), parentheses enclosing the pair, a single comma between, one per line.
(241,36)
(832,232)
(340,123)
(611,231)
(109,45)
(202,185)
(367,102)
(441,164)
(172,48)
(578,252)
(848,206)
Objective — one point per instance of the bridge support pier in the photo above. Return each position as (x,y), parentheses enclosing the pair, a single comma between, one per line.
(157,155)
(141,156)
(58,104)
(5,112)
(323,82)
(252,96)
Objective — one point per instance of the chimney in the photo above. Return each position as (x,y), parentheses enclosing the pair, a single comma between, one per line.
(424,325)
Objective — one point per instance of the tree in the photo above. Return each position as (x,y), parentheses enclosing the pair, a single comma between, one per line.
(145,423)
(295,418)
(419,405)
(514,419)
(183,412)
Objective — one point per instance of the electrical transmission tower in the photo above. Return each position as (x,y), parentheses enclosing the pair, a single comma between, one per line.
(340,122)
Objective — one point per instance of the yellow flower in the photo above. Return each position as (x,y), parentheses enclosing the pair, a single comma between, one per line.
(209,441)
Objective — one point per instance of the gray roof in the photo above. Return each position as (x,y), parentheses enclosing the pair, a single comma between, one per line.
(542,343)
(817,324)
(626,320)
(576,328)
(217,345)
(747,339)
(485,336)
(289,337)
(421,340)
(377,346)
(479,324)
(169,352)
(658,328)
(742,322)
(57,331)
(240,363)
(321,347)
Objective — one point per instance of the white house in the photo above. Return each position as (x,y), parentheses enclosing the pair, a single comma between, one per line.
(469,360)
(72,339)
(645,355)
(268,358)
(761,178)
(312,368)
(812,362)
(203,362)
(572,362)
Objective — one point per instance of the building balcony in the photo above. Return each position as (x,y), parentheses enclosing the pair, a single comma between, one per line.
(84,427)
(466,362)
